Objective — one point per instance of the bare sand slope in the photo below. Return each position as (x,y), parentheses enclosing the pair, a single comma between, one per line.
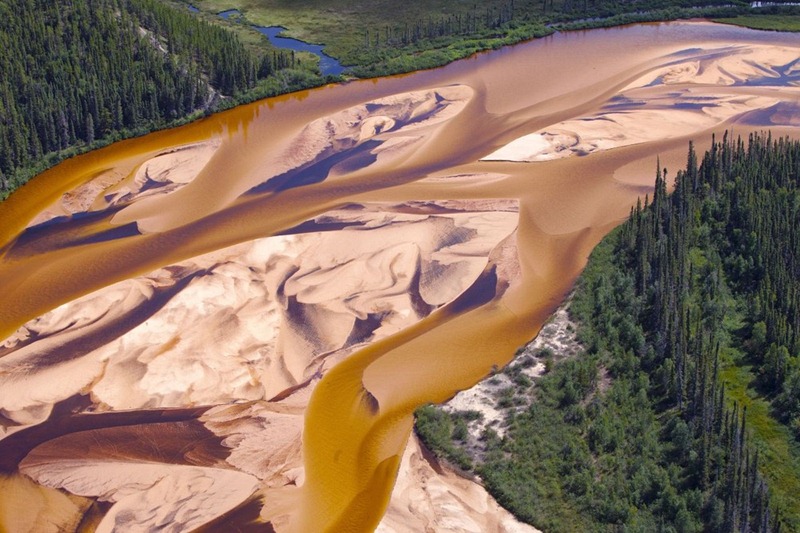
(228,326)
(696,92)
(428,497)
(250,322)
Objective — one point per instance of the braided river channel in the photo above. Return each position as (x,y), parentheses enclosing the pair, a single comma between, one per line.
(227,326)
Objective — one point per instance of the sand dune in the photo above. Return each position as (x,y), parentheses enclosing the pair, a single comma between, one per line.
(232,323)
(247,322)
(688,96)
(429,498)
(338,144)
(726,66)
(145,496)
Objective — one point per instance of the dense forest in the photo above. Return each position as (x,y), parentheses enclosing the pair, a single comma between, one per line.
(423,42)
(380,37)
(696,296)
(80,73)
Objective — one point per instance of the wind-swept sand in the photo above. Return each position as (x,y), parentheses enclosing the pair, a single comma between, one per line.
(705,89)
(314,151)
(250,322)
(229,325)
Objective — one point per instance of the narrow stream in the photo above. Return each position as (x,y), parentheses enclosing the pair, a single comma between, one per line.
(327,64)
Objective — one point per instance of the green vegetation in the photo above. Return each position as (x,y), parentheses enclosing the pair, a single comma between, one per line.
(691,309)
(443,431)
(78,74)
(379,37)
(780,452)
(765,22)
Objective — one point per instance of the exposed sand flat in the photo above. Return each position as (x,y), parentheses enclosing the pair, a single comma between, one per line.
(146,497)
(429,498)
(247,310)
(725,66)
(264,438)
(666,104)
(273,310)
(315,150)
(249,321)
(166,172)
(652,120)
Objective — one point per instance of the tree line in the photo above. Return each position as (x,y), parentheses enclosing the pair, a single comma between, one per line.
(497,19)
(478,19)
(738,212)
(78,72)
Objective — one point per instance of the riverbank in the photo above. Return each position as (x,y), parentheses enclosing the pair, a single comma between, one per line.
(401,51)
(765,22)
(164,67)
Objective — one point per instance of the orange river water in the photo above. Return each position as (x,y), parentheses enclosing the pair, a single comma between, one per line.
(359,417)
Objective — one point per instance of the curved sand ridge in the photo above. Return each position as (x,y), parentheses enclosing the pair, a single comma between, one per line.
(236,325)
(339,144)
(274,311)
(702,89)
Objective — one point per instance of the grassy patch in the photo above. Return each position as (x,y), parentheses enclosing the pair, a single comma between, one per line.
(779,451)
(251,38)
(765,22)
(367,33)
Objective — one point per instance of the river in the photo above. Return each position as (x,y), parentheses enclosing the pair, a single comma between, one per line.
(373,260)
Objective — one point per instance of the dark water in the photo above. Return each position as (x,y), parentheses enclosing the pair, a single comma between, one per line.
(327,64)
(229,13)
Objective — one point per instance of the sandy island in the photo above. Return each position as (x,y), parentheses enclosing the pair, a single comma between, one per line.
(696,93)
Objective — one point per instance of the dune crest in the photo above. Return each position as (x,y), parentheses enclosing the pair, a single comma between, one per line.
(335,145)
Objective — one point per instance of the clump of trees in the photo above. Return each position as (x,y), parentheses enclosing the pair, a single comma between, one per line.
(730,239)
(479,19)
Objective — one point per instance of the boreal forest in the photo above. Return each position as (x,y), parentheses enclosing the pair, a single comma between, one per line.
(80,74)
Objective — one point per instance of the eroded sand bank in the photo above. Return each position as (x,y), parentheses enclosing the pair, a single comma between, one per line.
(230,324)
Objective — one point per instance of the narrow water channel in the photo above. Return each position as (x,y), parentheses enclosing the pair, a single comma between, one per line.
(327,64)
